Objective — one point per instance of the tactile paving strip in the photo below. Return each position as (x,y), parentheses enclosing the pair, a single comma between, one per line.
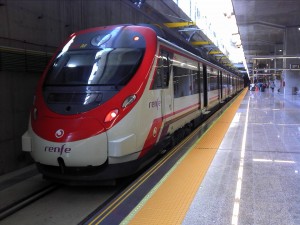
(170,202)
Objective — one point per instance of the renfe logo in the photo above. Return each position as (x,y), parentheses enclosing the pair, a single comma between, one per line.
(59,133)
(155,104)
(59,150)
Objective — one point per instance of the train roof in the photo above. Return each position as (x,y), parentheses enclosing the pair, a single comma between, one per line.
(165,35)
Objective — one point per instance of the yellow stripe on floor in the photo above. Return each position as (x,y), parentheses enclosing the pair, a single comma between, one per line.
(170,202)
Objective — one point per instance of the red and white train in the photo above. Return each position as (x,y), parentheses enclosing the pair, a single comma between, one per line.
(114,97)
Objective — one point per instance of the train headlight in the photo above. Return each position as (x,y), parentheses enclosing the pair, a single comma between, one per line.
(111,115)
(130,99)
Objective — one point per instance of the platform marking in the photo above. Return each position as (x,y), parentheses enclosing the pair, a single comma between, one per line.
(150,194)
(127,219)
(236,207)
(181,170)
(100,217)
(158,185)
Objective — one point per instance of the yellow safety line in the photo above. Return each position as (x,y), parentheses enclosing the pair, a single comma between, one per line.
(99,218)
(170,201)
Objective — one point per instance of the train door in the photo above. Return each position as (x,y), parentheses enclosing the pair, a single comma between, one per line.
(205,89)
(221,85)
(213,91)
(224,85)
(219,82)
(229,85)
(201,85)
(234,84)
(167,90)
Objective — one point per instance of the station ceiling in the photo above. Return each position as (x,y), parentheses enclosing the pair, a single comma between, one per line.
(262,23)
(262,26)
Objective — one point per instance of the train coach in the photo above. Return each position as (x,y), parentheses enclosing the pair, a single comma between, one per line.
(112,98)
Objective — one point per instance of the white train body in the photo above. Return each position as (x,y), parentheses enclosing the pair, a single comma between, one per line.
(91,122)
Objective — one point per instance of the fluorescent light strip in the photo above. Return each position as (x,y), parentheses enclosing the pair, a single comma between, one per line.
(276,161)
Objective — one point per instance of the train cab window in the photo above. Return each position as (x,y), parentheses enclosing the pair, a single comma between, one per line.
(91,67)
(162,76)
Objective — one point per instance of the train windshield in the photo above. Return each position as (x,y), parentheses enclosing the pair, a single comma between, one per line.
(101,67)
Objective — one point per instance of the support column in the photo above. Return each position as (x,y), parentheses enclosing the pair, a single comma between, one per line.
(291,47)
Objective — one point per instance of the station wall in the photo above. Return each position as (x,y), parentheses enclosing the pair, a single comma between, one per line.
(33,29)
(292,77)
(36,27)
(16,96)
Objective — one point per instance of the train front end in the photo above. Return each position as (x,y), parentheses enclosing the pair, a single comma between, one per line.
(92,83)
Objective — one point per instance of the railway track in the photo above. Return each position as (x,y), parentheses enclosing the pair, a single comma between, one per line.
(53,203)
(23,202)
(47,203)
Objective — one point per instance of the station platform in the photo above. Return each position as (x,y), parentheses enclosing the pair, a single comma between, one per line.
(243,170)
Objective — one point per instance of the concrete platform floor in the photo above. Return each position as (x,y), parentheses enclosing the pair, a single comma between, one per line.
(254,177)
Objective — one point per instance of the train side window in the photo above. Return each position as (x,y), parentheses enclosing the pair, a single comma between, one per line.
(224,80)
(185,82)
(180,81)
(162,76)
(194,82)
(212,79)
(201,79)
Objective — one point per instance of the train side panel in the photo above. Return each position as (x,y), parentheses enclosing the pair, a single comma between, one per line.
(126,139)
(114,97)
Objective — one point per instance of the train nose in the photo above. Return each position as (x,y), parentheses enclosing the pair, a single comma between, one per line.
(76,143)
(67,129)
